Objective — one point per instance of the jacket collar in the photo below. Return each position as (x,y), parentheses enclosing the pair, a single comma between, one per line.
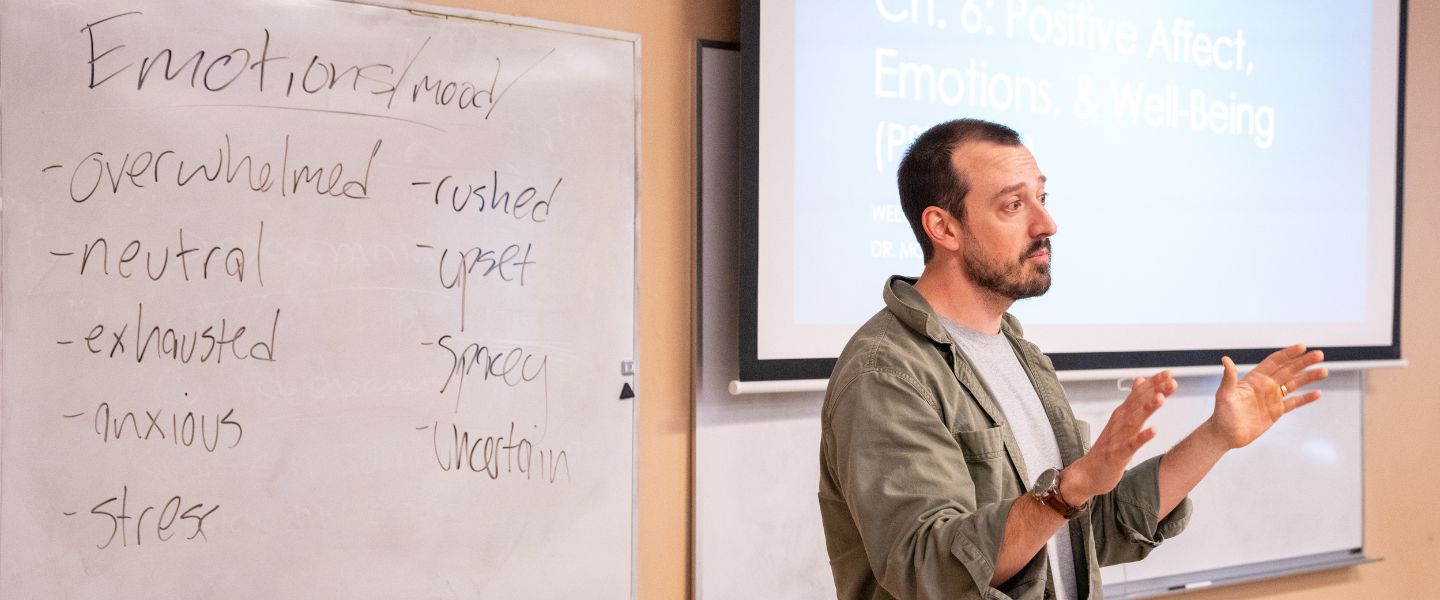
(906,303)
(915,312)
(902,300)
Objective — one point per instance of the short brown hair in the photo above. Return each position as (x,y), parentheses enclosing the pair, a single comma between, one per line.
(927,176)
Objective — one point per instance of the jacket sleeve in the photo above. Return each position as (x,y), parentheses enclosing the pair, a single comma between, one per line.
(905,481)
(1125,522)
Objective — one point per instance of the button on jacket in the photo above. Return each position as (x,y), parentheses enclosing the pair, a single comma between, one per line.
(919,469)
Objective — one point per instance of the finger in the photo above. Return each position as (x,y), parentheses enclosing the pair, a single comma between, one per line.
(1140,389)
(1141,439)
(1307,378)
(1307,359)
(1159,380)
(1228,379)
(1131,415)
(1144,408)
(1295,402)
(1156,401)
(1167,383)
(1278,358)
(1298,364)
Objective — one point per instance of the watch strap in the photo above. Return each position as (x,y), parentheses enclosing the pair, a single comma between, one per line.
(1057,502)
(1052,498)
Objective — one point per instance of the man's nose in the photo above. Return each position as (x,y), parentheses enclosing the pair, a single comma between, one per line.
(1043,225)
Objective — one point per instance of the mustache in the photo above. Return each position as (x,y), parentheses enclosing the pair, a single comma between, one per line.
(1037,246)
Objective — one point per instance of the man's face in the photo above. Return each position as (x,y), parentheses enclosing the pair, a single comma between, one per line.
(1006,228)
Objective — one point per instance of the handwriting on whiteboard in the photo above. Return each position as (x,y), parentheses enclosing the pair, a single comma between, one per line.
(116,61)
(186,267)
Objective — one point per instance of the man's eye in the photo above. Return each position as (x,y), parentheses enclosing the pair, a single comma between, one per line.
(1014,205)
(1044,197)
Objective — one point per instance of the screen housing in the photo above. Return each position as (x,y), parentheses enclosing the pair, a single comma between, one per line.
(754,367)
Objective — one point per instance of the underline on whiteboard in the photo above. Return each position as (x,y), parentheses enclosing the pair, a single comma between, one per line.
(316,110)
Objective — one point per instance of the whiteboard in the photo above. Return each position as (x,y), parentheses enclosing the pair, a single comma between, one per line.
(315,299)
(757,519)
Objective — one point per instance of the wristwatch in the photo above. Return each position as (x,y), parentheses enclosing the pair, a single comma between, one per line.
(1047,491)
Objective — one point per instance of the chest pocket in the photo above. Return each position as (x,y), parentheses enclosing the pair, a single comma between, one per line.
(987,463)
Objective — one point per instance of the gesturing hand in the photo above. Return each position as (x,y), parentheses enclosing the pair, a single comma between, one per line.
(1101,469)
(1246,408)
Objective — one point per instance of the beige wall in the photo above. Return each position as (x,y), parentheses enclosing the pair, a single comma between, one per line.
(1403,409)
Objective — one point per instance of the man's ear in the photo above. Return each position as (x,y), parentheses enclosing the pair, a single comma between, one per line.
(942,227)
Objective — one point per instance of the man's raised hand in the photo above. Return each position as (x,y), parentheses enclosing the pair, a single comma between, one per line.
(1246,408)
(1101,469)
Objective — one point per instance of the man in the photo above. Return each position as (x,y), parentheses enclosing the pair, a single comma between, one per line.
(951,464)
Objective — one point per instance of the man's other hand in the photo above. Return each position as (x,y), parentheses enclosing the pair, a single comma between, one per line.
(1246,408)
(1101,469)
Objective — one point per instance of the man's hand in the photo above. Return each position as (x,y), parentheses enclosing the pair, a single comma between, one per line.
(1246,408)
(1030,523)
(1100,469)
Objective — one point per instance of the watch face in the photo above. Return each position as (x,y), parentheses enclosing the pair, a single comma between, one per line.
(1046,482)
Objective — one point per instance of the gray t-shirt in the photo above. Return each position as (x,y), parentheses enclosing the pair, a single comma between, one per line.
(994,359)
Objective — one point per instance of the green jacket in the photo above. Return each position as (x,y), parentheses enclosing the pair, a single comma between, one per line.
(918,469)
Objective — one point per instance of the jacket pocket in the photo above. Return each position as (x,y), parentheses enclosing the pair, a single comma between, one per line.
(982,444)
(986,461)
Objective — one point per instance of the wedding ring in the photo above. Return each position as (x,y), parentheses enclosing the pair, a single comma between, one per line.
(1284,391)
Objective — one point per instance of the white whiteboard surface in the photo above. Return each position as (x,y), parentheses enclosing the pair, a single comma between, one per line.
(1297,491)
(758,531)
(424,226)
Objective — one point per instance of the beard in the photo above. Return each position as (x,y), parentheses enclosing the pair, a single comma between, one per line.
(1014,280)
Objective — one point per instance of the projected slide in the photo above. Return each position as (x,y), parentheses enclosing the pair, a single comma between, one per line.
(1210,163)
